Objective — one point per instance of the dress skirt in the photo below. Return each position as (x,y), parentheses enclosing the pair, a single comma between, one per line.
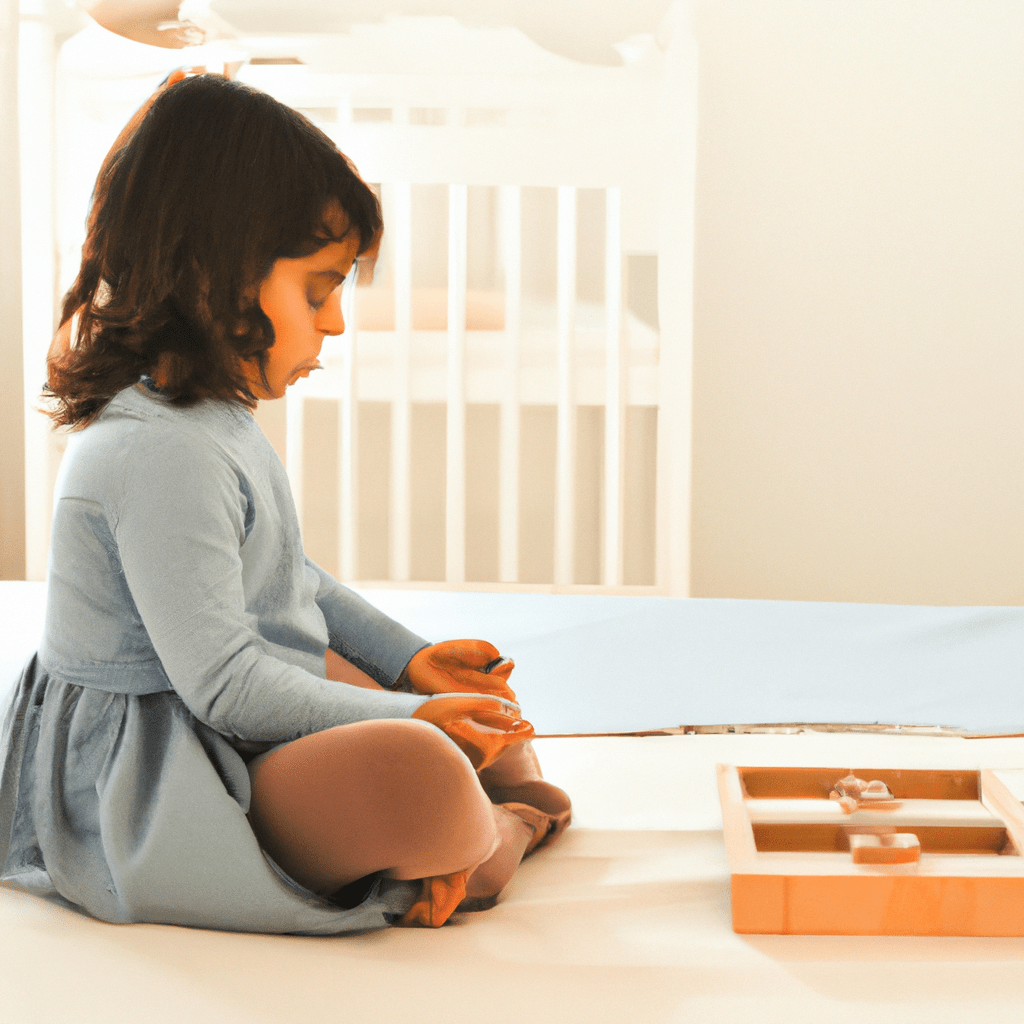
(130,808)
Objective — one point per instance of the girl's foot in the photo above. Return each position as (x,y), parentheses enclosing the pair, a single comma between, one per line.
(488,879)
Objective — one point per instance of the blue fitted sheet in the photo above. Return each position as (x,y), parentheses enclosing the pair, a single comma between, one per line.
(617,664)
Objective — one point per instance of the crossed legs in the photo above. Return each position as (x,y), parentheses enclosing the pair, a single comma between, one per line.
(391,795)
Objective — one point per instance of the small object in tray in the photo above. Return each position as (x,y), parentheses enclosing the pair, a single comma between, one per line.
(851,791)
(890,848)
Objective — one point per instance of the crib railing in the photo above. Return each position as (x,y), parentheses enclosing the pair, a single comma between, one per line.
(502,386)
(420,103)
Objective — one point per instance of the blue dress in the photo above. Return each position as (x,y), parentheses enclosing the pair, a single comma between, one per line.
(185,633)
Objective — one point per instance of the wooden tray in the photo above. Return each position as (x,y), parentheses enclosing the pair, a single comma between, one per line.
(941,857)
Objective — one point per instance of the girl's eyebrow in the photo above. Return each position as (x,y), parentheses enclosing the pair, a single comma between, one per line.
(332,275)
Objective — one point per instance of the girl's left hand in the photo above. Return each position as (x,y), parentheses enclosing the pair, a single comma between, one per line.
(460,666)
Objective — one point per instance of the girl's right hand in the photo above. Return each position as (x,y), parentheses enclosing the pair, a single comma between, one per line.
(482,726)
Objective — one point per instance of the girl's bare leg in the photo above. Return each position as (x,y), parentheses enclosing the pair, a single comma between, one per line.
(389,795)
(493,874)
(515,779)
(517,765)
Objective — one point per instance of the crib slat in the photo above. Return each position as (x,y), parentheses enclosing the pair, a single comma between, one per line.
(508,445)
(401,402)
(565,471)
(615,391)
(455,464)
(348,426)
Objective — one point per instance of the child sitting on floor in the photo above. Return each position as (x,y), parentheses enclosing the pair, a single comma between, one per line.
(184,748)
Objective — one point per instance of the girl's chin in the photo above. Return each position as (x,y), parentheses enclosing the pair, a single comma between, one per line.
(304,372)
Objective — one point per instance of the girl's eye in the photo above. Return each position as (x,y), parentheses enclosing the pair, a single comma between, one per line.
(317,299)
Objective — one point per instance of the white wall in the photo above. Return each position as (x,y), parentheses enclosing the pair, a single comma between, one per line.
(859,301)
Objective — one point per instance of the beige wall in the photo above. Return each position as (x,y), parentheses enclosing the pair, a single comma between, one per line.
(859,282)
(859,301)
(12,427)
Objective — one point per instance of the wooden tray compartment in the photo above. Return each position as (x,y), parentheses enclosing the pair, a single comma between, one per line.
(799,838)
(817,783)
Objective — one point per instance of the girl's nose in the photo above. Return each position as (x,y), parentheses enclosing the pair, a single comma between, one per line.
(330,319)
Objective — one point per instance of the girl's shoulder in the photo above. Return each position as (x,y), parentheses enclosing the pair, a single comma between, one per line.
(139,439)
(142,420)
(142,404)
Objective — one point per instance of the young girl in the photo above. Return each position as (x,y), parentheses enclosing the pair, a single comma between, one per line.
(187,746)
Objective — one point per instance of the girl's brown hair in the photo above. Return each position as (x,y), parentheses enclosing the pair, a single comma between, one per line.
(188,217)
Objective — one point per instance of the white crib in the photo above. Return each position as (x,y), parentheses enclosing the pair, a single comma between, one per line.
(513,310)
(510,403)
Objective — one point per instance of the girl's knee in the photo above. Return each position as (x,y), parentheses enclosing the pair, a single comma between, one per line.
(415,741)
(393,795)
(441,819)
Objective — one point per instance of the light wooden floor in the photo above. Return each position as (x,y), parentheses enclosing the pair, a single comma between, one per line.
(626,920)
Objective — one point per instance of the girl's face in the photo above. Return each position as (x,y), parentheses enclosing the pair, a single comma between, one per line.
(302,299)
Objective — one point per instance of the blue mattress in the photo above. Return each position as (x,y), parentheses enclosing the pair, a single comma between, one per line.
(588,664)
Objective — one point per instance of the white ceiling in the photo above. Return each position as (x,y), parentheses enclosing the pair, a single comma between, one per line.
(584,30)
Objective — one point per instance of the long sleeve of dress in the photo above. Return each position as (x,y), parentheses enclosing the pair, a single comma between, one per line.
(181,522)
(364,635)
